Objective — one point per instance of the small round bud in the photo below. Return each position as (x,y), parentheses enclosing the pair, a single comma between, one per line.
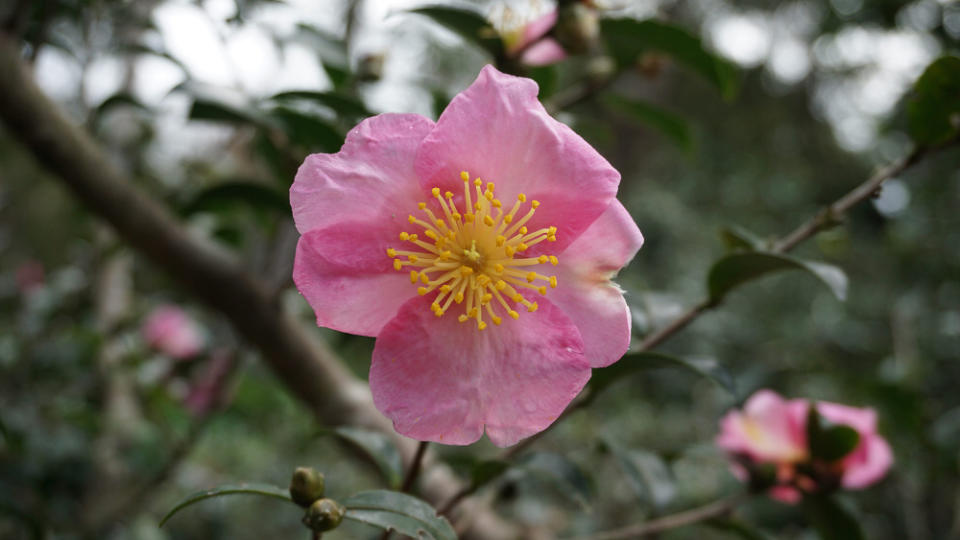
(306,486)
(324,515)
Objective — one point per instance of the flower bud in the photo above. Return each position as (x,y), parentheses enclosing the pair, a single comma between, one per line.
(306,486)
(324,515)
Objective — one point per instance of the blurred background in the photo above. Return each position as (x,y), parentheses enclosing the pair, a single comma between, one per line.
(211,105)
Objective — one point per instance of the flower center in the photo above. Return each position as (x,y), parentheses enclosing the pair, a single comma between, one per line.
(472,258)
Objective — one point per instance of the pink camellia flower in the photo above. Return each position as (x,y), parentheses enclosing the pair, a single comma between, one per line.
(529,44)
(773,431)
(451,269)
(174,333)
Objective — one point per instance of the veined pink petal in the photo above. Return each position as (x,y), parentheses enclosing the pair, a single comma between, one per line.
(585,292)
(497,130)
(344,273)
(543,53)
(441,380)
(370,180)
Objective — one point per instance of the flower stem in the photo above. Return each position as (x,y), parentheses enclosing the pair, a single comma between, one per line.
(712,510)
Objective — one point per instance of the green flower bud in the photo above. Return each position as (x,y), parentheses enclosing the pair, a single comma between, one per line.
(306,486)
(324,515)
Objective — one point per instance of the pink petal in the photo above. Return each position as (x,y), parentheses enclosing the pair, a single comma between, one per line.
(868,464)
(174,333)
(785,494)
(371,180)
(768,430)
(497,130)
(585,292)
(441,380)
(543,53)
(344,273)
(535,30)
(863,420)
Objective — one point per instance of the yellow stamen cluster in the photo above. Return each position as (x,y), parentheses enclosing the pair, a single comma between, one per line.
(469,256)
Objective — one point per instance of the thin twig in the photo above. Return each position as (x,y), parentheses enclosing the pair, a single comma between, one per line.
(414,471)
(703,513)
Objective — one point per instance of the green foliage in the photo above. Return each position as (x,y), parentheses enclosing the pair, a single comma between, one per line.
(735,269)
(634,362)
(342,104)
(829,442)
(933,112)
(648,474)
(379,448)
(628,39)
(468,24)
(394,511)
(564,475)
(228,194)
(672,126)
(831,519)
(264,490)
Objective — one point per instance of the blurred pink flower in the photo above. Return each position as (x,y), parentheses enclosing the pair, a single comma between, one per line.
(529,44)
(207,389)
(772,431)
(171,331)
(30,275)
(363,257)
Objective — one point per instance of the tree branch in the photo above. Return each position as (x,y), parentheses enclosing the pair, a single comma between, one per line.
(709,511)
(308,368)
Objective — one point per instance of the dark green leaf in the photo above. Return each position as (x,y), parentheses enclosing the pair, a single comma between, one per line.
(634,362)
(736,269)
(627,39)
(311,132)
(329,47)
(831,519)
(246,192)
(829,442)
(736,238)
(933,112)
(546,78)
(379,448)
(265,490)
(469,25)
(485,471)
(672,126)
(343,105)
(565,475)
(738,528)
(121,99)
(218,111)
(391,510)
(647,473)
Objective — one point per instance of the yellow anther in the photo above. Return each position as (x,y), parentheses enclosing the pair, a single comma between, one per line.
(482,325)
(483,280)
(430,234)
(422,205)
(510,250)
(551,238)
(517,298)
(446,255)
(435,192)
(522,247)
(501,240)
(542,290)
(514,314)
(553,282)
(438,312)
(497,320)
(554,260)
(473,312)
(552,231)
(488,195)
(501,285)
(413,276)
(543,259)
(457,216)
(421,291)
(468,218)
(404,236)
(534,203)
(448,195)
(465,175)
(477,206)
(440,223)
(498,268)
(397,265)
(434,306)
(522,198)
(411,219)
(531,276)
(424,278)
(478,182)
(486,298)
(490,187)
(391,252)
(462,318)
(444,289)
(522,230)
(413,238)
(488,221)
(459,298)
(508,218)
(413,258)
(466,270)
(532,307)
(496,203)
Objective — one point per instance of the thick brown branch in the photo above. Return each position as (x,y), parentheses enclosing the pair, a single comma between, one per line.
(303,363)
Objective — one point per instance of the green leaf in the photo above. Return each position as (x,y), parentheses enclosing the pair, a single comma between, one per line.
(486,471)
(933,112)
(343,105)
(379,448)
(736,269)
(634,362)
(829,442)
(628,38)
(227,194)
(265,490)
(468,24)
(647,473)
(672,126)
(120,99)
(736,238)
(208,109)
(565,475)
(391,510)
(831,519)
(306,130)
(737,528)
